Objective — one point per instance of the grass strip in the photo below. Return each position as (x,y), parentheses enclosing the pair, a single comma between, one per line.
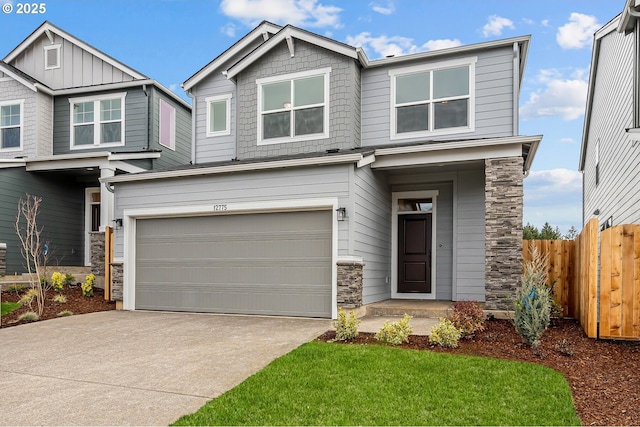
(8,307)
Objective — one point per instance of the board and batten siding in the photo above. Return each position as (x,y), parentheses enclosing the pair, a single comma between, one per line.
(444,221)
(493,100)
(78,67)
(617,194)
(61,212)
(136,129)
(370,231)
(277,185)
(214,148)
(182,153)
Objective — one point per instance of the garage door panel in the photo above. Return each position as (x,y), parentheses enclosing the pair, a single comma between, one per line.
(276,263)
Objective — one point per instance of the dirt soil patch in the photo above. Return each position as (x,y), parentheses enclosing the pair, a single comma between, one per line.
(604,376)
(76,303)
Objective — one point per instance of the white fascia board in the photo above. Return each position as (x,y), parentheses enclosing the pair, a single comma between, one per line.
(366,160)
(134,156)
(92,162)
(92,155)
(256,33)
(127,167)
(531,155)
(18,78)
(242,167)
(281,36)
(448,156)
(470,143)
(595,55)
(12,163)
(50,28)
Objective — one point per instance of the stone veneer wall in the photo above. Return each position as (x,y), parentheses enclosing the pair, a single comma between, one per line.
(97,249)
(503,230)
(3,259)
(117,270)
(349,284)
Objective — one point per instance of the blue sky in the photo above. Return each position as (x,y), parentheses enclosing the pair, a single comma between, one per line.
(169,40)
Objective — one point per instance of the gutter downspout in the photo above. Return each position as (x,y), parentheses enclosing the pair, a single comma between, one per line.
(194,103)
(516,86)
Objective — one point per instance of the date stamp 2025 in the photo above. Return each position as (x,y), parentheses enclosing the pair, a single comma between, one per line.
(24,8)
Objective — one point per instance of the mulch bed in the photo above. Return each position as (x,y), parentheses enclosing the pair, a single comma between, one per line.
(604,376)
(76,303)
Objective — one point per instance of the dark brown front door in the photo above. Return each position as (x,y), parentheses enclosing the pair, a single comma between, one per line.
(414,253)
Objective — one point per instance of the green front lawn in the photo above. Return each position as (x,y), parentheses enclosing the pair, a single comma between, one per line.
(331,384)
(8,307)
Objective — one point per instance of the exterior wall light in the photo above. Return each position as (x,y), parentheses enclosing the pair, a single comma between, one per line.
(118,223)
(342,214)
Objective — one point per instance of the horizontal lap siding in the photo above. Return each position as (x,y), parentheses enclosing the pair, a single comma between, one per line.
(372,232)
(493,102)
(617,193)
(285,184)
(182,154)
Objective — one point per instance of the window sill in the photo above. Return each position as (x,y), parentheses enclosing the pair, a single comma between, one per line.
(312,137)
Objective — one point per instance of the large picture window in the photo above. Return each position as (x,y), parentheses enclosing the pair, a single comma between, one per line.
(429,100)
(97,121)
(293,107)
(11,125)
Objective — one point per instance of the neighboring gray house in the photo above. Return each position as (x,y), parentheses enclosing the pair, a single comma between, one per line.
(70,114)
(610,154)
(323,179)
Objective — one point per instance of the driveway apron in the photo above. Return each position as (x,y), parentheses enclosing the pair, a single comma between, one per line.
(135,368)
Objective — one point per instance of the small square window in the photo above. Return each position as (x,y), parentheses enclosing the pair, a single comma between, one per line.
(52,57)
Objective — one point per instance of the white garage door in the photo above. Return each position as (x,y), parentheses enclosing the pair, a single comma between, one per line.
(268,263)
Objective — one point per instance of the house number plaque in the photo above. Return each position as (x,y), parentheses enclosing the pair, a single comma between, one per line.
(219,208)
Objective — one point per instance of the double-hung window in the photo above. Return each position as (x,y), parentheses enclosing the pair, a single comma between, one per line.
(11,125)
(97,121)
(294,107)
(431,100)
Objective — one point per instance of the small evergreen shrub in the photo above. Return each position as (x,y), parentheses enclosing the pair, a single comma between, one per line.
(27,298)
(29,316)
(65,313)
(468,317)
(69,279)
(57,281)
(395,332)
(16,288)
(60,299)
(445,334)
(87,286)
(346,326)
(532,313)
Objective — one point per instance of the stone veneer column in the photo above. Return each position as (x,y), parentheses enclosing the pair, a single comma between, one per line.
(503,231)
(97,248)
(349,284)
(117,269)
(3,259)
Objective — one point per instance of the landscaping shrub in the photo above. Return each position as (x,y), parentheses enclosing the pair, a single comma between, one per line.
(27,298)
(65,313)
(69,279)
(533,300)
(87,286)
(468,317)
(57,281)
(445,334)
(29,316)
(60,299)
(395,332)
(346,326)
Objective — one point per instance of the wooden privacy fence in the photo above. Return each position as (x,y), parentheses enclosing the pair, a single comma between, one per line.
(573,268)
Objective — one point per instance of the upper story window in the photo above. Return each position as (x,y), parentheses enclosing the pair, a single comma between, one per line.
(11,125)
(52,57)
(218,115)
(432,100)
(293,107)
(97,121)
(167,125)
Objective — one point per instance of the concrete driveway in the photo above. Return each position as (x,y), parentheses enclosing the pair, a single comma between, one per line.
(134,368)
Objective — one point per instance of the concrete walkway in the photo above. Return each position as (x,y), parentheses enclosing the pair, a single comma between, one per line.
(420,325)
(134,368)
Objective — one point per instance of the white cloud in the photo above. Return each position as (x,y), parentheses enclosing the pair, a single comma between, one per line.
(553,196)
(441,44)
(495,26)
(387,9)
(173,87)
(567,140)
(396,45)
(559,96)
(545,22)
(307,13)
(578,32)
(229,30)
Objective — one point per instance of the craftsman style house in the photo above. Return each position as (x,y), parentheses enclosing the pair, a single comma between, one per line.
(321,178)
(610,154)
(70,114)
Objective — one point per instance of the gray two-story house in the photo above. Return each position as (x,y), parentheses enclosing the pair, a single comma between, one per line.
(69,115)
(610,153)
(321,179)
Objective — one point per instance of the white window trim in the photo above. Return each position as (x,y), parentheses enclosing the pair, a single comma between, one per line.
(172,126)
(210,99)
(96,120)
(433,195)
(470,62)
(21,103)
(48,48)
(289,77)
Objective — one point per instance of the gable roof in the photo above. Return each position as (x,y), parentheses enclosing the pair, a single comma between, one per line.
(23,78)
(47,28)
(263,30)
